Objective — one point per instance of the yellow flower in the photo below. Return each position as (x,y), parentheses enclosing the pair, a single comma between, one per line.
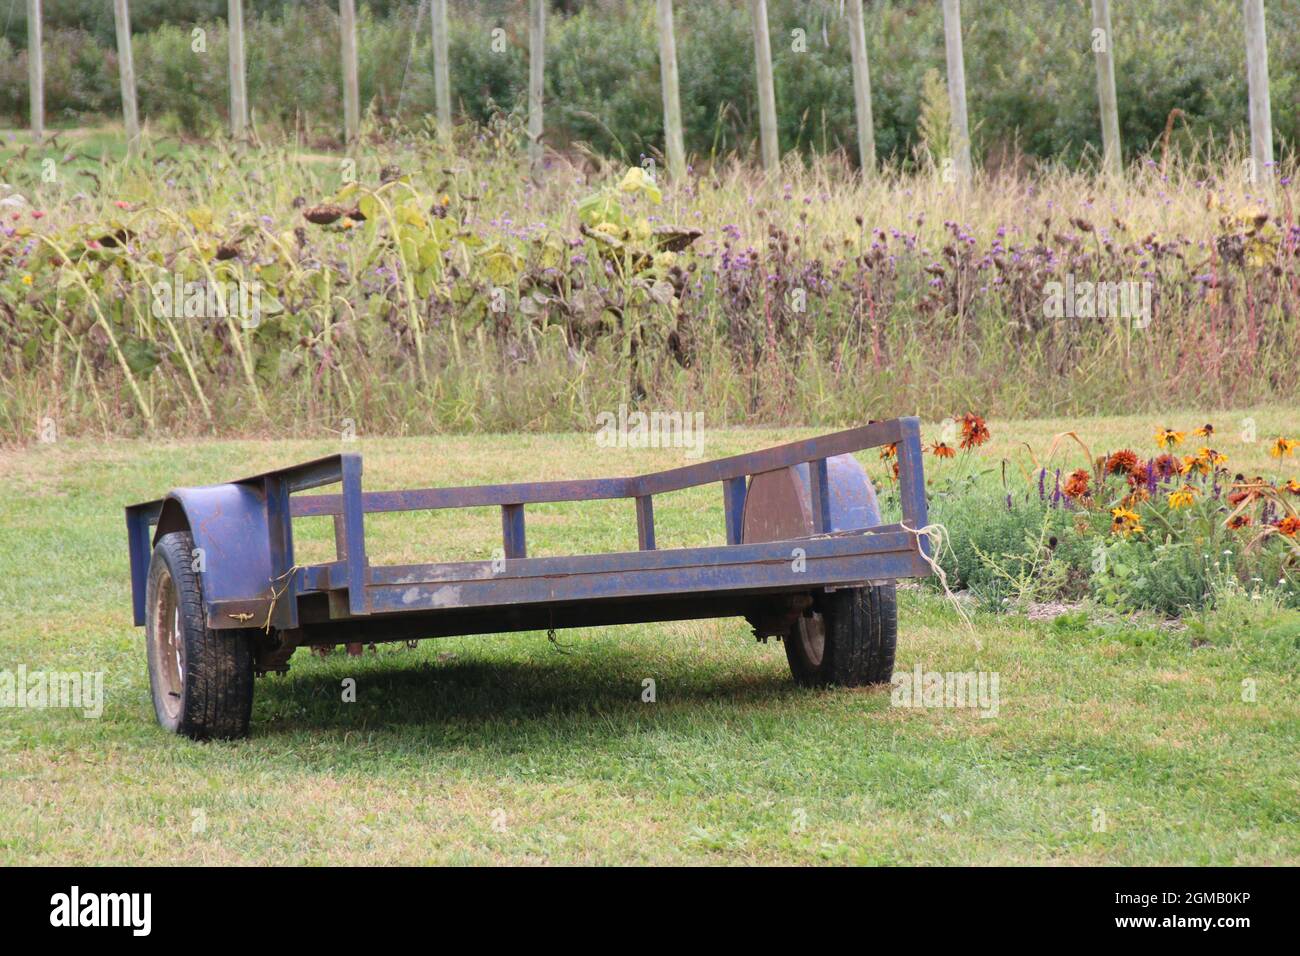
(1184,497)
(1212,456)
(1168,438)
(1125,522)
(1282,447)
(27,279)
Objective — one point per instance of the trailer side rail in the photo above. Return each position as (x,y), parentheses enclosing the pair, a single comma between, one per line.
(834,557)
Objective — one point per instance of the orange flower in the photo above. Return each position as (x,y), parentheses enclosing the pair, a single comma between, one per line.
(1244,490)
(1293,486)
(889,451)
(1136,497)
(1076,486)
(1289,526)
(1238,521)
(1123,462)
(1205,431)
(974,431)
(943,450)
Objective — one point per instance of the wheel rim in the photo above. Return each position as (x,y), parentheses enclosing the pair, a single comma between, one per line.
(812,638)
(167,646)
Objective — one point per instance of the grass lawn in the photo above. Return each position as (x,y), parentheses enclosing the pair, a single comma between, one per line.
(508,749)
(78,155)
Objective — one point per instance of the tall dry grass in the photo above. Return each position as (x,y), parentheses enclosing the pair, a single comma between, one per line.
(810,295)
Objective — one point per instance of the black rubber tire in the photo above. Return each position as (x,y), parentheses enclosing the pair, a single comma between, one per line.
(860,627)
(215,700)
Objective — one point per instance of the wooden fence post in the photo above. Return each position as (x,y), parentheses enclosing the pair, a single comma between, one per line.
(536,87)
(126,71)
(1261,121)
(771,147)
(441,69)
(674,144)
(35,69)
(862,87)
(957,88)
(1103,45)
(351,89)
(238,89)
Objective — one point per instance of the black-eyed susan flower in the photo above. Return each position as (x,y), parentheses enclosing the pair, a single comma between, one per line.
(1183,497)
(1289,526)
(1168,438)
(1125,521)
(1205,431)
(1283,447)
(942,449)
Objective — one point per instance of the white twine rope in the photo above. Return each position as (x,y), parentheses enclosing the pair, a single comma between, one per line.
(940,540)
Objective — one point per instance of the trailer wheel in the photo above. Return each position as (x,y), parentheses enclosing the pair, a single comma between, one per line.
(201,679)
(850,642)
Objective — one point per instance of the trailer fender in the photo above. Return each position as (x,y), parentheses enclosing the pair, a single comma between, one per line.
(232,548)
(778,504)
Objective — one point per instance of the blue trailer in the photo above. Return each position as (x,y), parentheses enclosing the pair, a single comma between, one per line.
(808,560)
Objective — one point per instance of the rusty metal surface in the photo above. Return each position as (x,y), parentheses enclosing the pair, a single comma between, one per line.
(779,504)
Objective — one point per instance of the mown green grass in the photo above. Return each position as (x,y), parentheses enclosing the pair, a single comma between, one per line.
(78,153)
(507,749)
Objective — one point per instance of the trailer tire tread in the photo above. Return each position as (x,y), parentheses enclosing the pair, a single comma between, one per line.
(217,694)
(860,627)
